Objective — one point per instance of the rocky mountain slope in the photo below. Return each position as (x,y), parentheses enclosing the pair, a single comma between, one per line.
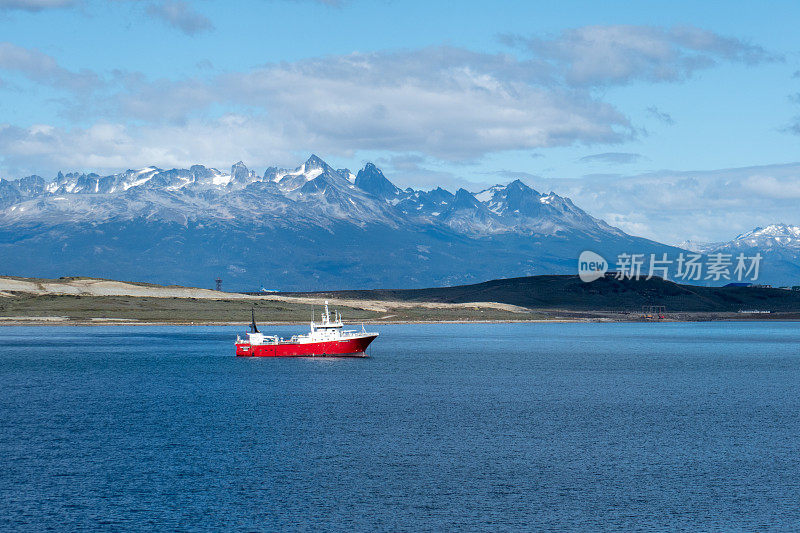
(296,229)
(778,244)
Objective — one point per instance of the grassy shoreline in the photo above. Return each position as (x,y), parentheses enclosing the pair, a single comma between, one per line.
(110,323)
(60,310)
(87,301)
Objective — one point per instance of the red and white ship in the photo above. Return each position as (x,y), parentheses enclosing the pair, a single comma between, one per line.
(326,339)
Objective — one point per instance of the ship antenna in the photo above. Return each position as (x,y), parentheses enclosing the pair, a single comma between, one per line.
(253,327)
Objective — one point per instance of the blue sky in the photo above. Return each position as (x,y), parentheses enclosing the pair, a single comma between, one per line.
(672,120)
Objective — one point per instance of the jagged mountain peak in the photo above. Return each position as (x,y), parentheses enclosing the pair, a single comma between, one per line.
(465,200)
(368,197)
(310,212)
(466,214)
(487,194)
(516,187)
(240,174)
(314,161)
(773,230)
(293,217)
(311,169)
(372,180)
(518,184)
(515,198)
(693,246)
(774,237)
(347,174)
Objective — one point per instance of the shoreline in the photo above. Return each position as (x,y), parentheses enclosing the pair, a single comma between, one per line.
(108,322)
(99,302)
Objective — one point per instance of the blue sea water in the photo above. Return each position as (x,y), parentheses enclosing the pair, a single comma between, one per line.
(445,427)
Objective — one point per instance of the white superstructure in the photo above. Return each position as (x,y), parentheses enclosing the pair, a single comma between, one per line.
(328,330)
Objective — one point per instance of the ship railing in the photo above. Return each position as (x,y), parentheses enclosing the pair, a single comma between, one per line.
(355,333)
(266,339)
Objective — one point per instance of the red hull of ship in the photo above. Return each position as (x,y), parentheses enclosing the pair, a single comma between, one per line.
(355,347)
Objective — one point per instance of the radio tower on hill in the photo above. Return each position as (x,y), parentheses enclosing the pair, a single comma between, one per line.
(219,284)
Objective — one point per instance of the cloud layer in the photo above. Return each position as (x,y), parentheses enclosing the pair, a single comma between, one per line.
(702,206)
(448,103)
(43,69)
(612,158)
(619,54)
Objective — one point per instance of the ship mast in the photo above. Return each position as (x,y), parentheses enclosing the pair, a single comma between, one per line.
(253,327)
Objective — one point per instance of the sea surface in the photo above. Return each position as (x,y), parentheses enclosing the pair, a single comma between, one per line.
(497,427)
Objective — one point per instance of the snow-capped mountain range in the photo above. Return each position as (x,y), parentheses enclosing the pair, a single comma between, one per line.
(312,227)
(778,244)
(775,237)
(313,193)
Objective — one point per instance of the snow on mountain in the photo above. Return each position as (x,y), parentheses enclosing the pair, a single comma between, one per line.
(421,205)
(292,180)
(778,245)
(309,227)
(315,227)
(693,246)
(512,208)
(486,196)
(466,214)
(347,173)
(314,193)
(774,237)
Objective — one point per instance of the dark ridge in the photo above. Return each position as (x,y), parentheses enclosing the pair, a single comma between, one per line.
(605,294)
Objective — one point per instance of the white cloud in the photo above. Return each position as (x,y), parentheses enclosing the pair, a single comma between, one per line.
(109,146)
(612,158)
(619,54)
(447,103)
(671,206)
(176,13)
(34,5)
(180,15)
(775,187)
(420,172)
(44,69)
(454,112)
